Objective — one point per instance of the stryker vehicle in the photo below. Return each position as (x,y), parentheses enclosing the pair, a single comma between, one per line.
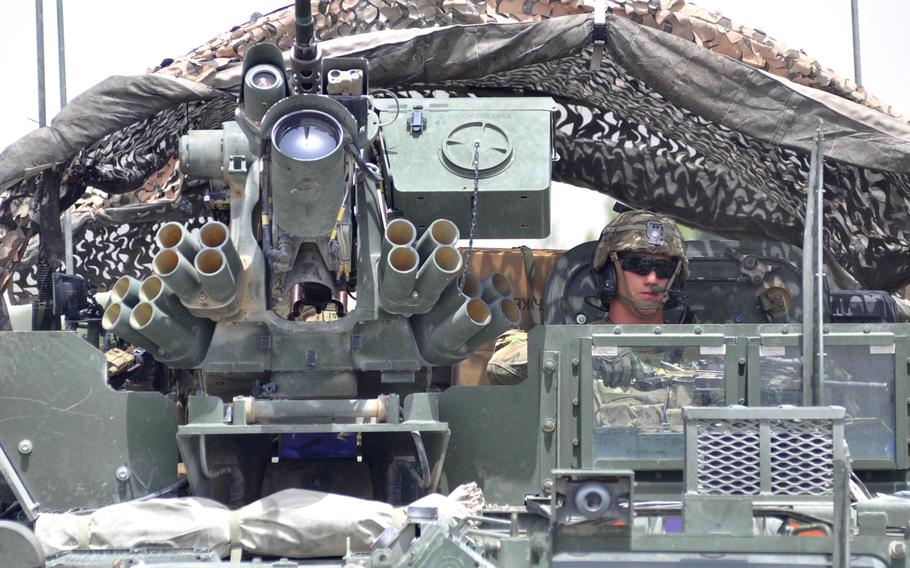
(304,336)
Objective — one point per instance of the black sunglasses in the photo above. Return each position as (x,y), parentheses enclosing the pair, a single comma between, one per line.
(644,265)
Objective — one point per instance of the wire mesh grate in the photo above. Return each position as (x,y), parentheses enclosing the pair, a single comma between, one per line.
(728,454)
(802,457)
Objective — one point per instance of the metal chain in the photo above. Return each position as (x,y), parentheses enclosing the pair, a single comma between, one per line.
(467,266)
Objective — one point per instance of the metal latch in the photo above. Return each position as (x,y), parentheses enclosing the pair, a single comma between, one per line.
(417,122)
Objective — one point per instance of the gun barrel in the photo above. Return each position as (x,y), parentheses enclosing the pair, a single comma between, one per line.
(398,273)
(216,278)
(303,29)
(116,319)
(496,286)
(182,341)
(155,291)
(399,232)
(504,315)
(452,298)
(441,232)
(174,235)
(437,272)
(177,272)
(447,338)
(216,235)
(126,291)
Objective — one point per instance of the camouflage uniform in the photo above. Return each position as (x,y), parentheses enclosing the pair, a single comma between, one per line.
(618,401)
(509,364)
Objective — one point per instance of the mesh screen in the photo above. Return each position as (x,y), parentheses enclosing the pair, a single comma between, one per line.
(802,457)
(728,457)
(728,454)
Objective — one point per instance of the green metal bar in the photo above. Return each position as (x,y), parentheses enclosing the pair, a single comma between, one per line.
(810,289)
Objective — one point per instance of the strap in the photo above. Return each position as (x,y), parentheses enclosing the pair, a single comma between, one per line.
(600,33)
(82,530)
(234,528)
(528,257)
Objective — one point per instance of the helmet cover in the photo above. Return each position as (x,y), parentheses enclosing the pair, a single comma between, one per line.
(645,232)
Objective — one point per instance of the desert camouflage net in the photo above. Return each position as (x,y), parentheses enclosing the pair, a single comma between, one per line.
(723,146)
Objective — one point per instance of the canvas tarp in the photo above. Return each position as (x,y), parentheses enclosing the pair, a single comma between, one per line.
(663,123)
(293,523)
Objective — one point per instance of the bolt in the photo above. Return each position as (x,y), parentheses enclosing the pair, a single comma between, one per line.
(697,330)
(784,330)
(616,331)
(122,473)
(549,365)
(575,442)
(867,329)
(549,425)
(658,331)
(547,486)
(897,549)
(575,402)
(581,319)
(25,447)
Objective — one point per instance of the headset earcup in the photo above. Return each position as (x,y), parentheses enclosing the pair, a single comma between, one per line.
(607,284)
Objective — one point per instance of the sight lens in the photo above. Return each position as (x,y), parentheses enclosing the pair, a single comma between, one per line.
(306,135)
(264,79)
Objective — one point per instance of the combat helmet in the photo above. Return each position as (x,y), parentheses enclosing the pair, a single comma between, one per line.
(639,231)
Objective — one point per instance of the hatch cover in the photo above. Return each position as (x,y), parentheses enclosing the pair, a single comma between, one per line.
(495,149)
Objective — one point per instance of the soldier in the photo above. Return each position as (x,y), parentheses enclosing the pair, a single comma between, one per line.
(640,257)
(641,260)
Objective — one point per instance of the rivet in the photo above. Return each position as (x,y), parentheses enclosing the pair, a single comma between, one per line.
(575,442)
(122,473)
(549,425)
(616,331)
(25,447)
(575,402)
(867,329)
(549,365)
(784,330)
(547,486)
(658,331)
(697,330)
(897,549)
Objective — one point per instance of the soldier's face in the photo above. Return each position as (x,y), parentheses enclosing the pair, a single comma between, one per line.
(640,286)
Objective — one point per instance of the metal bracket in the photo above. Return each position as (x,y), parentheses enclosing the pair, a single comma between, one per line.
(29,506)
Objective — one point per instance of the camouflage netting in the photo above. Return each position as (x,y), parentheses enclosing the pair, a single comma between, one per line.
(686,115)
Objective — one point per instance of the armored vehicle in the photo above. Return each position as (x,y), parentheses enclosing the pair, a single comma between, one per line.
(279,374)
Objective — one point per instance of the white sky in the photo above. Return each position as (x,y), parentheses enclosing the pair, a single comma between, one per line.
(126,37)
